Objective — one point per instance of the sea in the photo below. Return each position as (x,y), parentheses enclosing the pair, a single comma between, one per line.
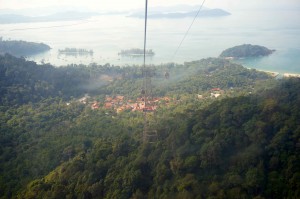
(107,35)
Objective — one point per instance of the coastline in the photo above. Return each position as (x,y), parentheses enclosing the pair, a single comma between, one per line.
(272,73)
(293,75)
(284,75)
(276,74)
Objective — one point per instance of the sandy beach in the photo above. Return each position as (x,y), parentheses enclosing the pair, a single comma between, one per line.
(275,74)
(287,75)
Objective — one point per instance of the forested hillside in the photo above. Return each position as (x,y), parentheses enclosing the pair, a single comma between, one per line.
(243,144)
(25,81)
(243,147)
(21,48)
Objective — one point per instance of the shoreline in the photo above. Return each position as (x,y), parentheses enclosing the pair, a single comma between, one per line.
(293,75)
(276,74)
(272,73)
(285,75)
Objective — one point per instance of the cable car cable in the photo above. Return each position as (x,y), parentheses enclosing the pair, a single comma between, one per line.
(187,32)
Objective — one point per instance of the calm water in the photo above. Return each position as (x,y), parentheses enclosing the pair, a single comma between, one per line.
(107,35)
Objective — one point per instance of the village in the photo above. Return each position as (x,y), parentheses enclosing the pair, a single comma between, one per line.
(120,103)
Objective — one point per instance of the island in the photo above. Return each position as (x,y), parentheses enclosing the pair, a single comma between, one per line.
(183,14)
(21,48)
(246,50)
(136,52)
(75,51)
(62,16)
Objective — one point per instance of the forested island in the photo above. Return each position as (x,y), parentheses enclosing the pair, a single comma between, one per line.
(75,51)
(21,48)
(136,52)
(246,50)
(223,131)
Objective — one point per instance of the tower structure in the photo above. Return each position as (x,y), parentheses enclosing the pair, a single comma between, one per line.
(149,132)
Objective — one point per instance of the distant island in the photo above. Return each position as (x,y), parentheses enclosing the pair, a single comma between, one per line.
(181,14)
(63,16)
(246,50)
(21,48)
(136,52)
(177,11)
(75,51)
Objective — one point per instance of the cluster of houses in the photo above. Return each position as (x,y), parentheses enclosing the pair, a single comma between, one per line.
(216,92)
(120,104)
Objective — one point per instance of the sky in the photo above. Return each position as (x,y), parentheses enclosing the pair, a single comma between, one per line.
(118,5)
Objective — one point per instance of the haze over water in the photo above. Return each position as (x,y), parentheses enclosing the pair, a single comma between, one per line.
(109,34)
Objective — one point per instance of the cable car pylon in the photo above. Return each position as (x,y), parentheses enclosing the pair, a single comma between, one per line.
(149,133)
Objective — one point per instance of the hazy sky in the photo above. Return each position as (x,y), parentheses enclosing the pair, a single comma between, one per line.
(112,5)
